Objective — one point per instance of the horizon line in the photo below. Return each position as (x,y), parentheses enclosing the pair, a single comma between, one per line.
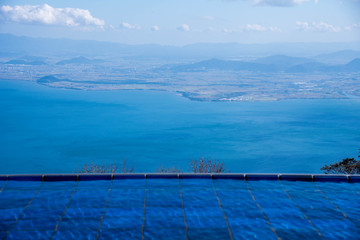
(183,45)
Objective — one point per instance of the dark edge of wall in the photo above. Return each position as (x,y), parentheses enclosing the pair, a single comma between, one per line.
(354,178)
(117,176)
(88,177)
(215,176)
(254,177)
(60,177)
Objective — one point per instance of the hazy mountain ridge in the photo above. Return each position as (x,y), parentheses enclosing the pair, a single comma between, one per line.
(12,45)
(283,61)
(339,57)
(277,63)
(223,65)
(25,62)
(80,60)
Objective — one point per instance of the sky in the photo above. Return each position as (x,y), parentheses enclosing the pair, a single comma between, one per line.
(182,22)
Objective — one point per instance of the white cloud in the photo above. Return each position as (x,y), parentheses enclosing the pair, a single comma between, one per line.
(257,28)
(226,30)
(210,29)
(252,28)
(355,25)
(47,15)
(155,28)
(281,3)
(210,18)
(317,27)
(125,25)
(184,27)
(274,29)
(352,27)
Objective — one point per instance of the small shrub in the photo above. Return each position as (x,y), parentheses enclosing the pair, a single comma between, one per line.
(207,165)
(346,166)
(105,168)
(169,170)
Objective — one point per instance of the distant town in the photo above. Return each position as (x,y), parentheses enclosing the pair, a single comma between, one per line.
(194,72)
(197,81)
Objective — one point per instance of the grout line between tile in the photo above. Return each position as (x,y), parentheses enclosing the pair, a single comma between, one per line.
(263,213)
(103,215)
(336,206)
(23,211)
(63,214)
(222,210)
(144,211)
(182,206)
(303,213)
(4,185)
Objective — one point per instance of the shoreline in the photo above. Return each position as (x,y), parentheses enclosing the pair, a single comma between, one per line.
(188,95)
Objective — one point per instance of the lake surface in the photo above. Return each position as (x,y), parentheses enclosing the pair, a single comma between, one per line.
(48,130)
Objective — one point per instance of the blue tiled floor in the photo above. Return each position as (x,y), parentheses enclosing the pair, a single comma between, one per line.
(179,209)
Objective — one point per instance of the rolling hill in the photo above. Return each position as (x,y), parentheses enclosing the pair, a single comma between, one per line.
(80,60)
(277,63)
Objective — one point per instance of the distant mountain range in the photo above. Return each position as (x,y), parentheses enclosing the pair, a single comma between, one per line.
(277,63)
(16,46)
(339,57)
(25,62)
(282,61)
(80,60)
(235,57)
(51,79)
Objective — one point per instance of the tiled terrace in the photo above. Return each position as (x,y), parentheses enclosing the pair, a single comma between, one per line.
(180,206)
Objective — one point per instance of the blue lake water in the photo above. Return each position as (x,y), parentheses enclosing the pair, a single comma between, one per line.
(48,130)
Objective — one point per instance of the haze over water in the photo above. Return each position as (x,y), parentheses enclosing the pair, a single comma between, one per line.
(48,130)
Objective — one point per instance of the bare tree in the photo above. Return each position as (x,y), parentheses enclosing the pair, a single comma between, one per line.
(174,169)
(114,167)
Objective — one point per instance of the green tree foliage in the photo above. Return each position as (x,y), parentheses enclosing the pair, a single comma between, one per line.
(346,166)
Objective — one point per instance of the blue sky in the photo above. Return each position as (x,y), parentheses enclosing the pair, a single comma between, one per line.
(180,22)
